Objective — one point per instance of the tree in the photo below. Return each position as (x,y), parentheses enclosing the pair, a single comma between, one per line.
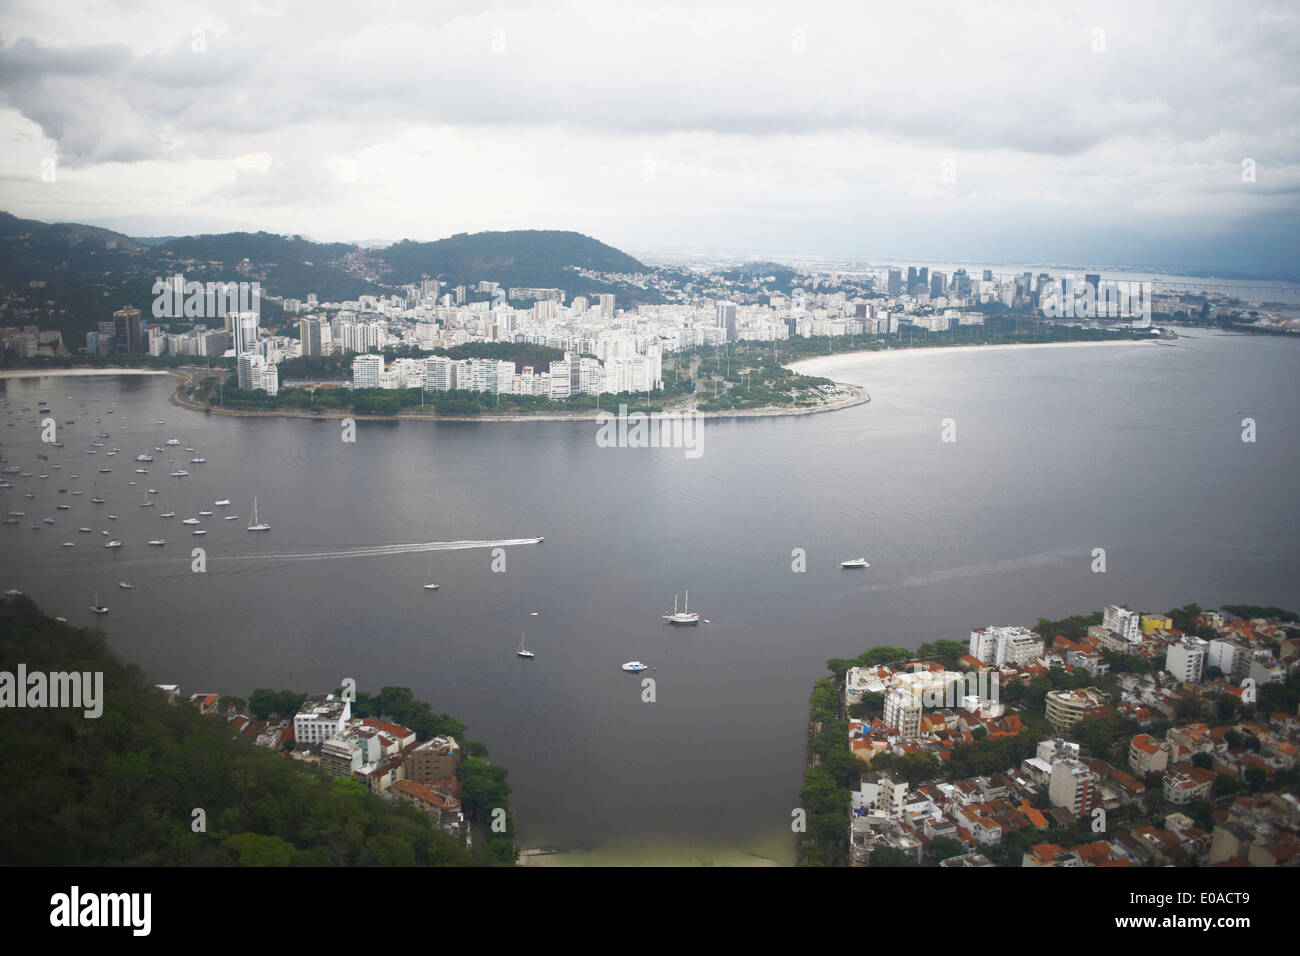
(254,849)
(1203,760)
(941,848)
(888,856)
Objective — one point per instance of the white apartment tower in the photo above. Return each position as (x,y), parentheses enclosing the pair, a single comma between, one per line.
(1186,659)
(903,711)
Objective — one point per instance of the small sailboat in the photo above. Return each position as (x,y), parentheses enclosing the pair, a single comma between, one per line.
(522,652)
(635,667)
(431,586)
(97,607)
(157,542)
(686,615)
(125,586)
(256,526)
(855,563)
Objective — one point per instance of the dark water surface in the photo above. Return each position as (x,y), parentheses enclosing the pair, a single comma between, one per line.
(1136,449)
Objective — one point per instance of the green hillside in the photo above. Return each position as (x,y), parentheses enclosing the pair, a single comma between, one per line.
(120,790)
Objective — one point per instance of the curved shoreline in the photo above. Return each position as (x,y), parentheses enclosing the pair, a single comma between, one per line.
(859,396)
(811,365)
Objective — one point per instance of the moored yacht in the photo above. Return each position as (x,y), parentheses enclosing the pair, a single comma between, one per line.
(686,615)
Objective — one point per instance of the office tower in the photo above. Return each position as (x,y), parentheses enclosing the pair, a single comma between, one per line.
(243,328)
(936,285)
(923,278)
(895,281)
(962,282)
(988,275)
(126,330)
(727,319)
(911,279)
(309,333)
(606,305)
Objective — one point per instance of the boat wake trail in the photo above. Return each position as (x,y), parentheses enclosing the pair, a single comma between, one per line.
(376,551)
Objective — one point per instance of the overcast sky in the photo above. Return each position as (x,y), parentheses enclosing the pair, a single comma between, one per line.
(1074,133)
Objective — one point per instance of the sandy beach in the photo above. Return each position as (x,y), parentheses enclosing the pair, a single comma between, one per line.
(41,373)
(821,364)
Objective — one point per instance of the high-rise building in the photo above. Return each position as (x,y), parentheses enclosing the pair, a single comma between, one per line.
(309,333)
(903,712)
(606,305)
(936,285)
(727,319)
(243,328)
(1123,620)
(895,281)
(126,330)
(1186,659)
(1072,785)
(366,370)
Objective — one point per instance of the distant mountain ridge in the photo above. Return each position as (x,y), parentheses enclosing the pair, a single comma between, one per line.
(89,271)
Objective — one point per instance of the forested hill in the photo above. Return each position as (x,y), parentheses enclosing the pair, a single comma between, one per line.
(521,257)
(120,789)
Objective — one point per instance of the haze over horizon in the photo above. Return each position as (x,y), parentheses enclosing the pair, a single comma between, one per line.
(1071,134)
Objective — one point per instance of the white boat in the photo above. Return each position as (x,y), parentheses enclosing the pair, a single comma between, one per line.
(232,517)
(144,457)
(635,667)
(255,525)
(686,615)
(204,514)
(855,563)
(125,586)
(173,441)
(97,607)
(169,514)
(222,502)
(68,544)
(157,542)
(191,521)
(521,652)
(431,587)
(198,531)
(84,530)
(197,461)
(114,543)
(179,474)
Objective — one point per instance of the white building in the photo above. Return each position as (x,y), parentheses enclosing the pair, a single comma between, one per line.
(1005,645)
(1186,659)
(366,371)
(903,711)
(1072,785)
(1123,620)
(320,718)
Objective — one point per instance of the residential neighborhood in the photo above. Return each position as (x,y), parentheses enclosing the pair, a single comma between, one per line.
(1133,742)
